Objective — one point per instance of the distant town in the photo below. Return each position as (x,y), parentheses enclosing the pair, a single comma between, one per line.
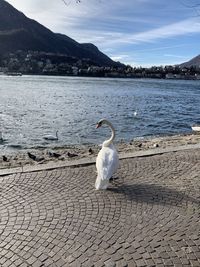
(41,63)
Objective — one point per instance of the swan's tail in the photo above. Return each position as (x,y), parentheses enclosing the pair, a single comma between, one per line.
(101,183)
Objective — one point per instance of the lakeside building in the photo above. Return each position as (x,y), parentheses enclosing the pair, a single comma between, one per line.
(41,63)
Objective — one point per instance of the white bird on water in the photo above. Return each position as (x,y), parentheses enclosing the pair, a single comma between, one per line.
(107,160)
(51,137)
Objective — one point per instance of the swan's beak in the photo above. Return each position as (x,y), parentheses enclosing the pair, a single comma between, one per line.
(97,125)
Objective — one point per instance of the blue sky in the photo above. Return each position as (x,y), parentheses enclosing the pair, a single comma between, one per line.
(135,32)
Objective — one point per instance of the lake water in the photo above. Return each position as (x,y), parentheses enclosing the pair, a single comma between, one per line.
(32,106)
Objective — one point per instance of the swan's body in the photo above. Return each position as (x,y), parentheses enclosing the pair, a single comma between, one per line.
(51,137)
(107,160)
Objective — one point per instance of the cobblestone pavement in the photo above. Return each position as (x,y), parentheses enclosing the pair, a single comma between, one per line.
(149,216)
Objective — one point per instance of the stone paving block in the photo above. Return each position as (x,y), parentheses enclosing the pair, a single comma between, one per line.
(148,217)
(110,263)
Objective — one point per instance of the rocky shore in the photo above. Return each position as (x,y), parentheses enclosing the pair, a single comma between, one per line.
(70,153)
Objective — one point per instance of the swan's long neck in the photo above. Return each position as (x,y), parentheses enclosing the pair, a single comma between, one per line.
(109,141)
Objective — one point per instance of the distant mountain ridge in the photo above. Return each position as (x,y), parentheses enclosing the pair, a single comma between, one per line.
(194,62)
(17,32)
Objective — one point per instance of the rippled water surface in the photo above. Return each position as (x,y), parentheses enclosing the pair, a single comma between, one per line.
(32,106)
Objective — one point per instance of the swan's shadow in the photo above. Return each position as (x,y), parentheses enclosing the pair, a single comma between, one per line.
(153,193)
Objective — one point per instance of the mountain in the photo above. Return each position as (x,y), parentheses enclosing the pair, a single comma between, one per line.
(17,32)
(194,62)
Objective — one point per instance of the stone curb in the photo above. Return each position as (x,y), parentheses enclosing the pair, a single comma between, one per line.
(85,162)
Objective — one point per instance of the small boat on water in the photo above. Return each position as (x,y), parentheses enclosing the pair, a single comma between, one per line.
(196,128)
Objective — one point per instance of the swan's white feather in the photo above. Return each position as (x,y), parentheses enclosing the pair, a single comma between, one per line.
(107,160)
(106,163)
(51,137)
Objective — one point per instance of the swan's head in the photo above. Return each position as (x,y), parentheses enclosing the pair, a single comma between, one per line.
(106,122)
(100,123)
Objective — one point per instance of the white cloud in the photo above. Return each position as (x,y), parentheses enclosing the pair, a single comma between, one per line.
(185,27)
(94,14)
(174,56)
(31,7)
(108,39)
(119,57)
(71,18)
(161,48)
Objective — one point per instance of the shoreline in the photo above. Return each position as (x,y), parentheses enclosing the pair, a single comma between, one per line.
(39,156)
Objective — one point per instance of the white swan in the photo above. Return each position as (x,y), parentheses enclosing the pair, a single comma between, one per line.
(107,160)
(51,137)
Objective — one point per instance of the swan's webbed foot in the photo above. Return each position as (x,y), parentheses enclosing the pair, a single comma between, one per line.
(113,178)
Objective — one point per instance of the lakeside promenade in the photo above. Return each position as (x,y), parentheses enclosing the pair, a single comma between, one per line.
(149,216)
